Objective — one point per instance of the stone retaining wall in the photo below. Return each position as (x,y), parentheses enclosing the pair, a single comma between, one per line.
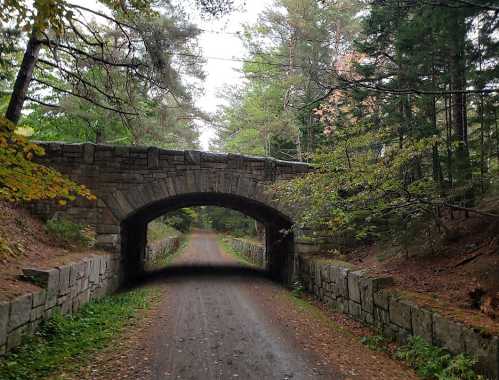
(369,300)
(253,252)
(162,248)
(65,288)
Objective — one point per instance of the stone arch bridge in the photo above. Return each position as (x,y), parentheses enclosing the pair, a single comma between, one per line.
(134,185)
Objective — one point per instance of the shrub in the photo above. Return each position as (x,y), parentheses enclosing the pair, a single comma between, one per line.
(375,342)
(298,288)
(433,362)
(68,232)
(22,179)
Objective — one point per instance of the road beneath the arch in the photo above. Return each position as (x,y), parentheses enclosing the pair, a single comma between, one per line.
(219,319)
(217,328)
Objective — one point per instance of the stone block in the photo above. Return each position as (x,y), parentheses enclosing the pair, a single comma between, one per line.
(84,297)
(448,334)
(20,311)
(75,289)
(354,285)
(381,299)
(367,317)
(73,274)
(152,158)
(485,349)
(37,313)
(108,240)
(340,279)
(16,336)
(4,321)
(342,305)
(64,277)
(103,264)
(94,269)
(355,310)
(83,284)
(422,323)
(47,279)
(66,305)
(325,273)
(88,153)
(366,294)
(39,298)
(381,317)
(192,157)
(400,313)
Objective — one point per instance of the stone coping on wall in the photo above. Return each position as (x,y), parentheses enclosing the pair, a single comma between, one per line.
(371,300)
(195,154)
(63,288)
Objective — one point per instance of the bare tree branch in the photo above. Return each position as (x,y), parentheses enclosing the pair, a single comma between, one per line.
(59,89)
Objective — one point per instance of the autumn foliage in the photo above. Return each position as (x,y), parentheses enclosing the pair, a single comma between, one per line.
(22,179)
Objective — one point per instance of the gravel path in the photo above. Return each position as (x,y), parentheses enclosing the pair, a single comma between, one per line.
(219,320)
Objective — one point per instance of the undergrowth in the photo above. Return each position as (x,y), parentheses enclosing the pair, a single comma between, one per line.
(65,342)
(375,342)
(69,233)
(432,362)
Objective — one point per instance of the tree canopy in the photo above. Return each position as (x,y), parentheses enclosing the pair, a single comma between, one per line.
(394,102)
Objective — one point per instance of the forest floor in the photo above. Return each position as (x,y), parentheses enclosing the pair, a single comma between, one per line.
(457,277)
(25,242)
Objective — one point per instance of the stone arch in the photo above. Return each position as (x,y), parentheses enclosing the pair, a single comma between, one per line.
(134,207)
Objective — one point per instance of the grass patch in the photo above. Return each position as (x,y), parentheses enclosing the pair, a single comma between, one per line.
(69,233)
(432,362)
(238,256)
(67,342)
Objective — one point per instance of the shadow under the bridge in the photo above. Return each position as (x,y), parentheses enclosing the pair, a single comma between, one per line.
(176,272)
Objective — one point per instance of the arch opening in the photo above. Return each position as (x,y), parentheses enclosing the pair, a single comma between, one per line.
(279,240)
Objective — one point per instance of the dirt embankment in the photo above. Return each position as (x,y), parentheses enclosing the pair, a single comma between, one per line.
(457,277)
(24,241)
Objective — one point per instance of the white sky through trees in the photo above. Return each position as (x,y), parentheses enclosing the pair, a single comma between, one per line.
(220,40)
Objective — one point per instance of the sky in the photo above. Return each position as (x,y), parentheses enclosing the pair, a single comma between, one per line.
(219,40)
(225,45)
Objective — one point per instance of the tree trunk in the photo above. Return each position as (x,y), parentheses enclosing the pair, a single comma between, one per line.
(497,134)
(459,115)
(23,78)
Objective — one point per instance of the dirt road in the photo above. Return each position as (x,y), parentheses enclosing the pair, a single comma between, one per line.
(217,328)
(222,320)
